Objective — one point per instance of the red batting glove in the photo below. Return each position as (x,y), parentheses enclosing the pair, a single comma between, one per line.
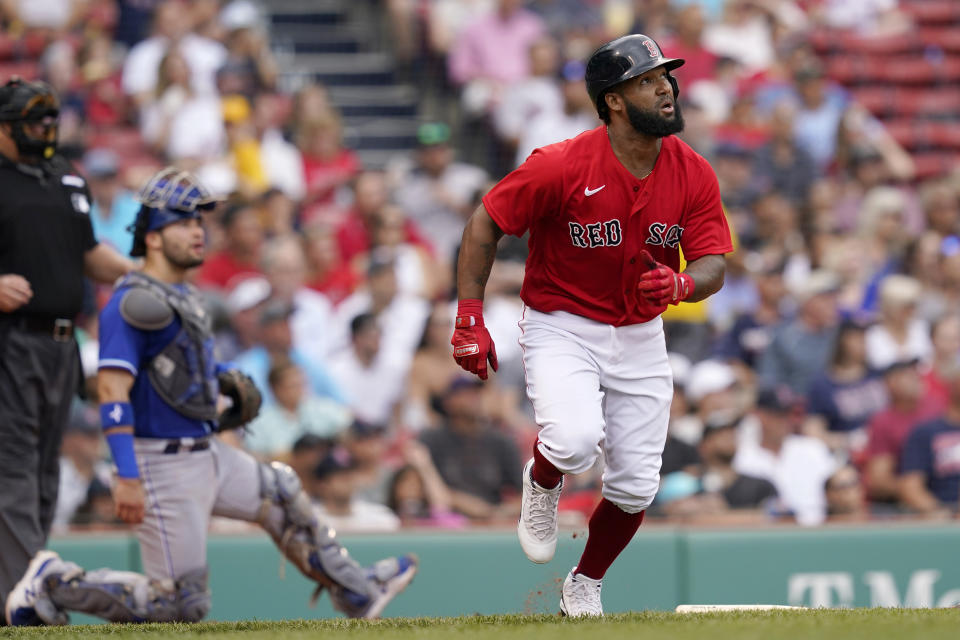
(661,285)
(472,345)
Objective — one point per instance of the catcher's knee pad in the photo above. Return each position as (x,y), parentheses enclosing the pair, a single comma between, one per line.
(193,596)
(280,486)
(117,596)
(291,520)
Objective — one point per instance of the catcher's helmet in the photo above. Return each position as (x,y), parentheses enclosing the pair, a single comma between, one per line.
(622,59)
(34,102)
(170,195)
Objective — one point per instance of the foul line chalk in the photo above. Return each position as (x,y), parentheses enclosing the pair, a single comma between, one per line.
(709,608)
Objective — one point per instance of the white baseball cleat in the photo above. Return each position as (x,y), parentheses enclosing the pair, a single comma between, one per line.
(28,603)
(580,596)
(537,527)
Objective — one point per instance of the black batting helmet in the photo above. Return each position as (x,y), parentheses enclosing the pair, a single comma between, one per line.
(22,101)
(622,59)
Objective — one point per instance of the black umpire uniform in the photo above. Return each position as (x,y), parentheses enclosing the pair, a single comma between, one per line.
(45,234)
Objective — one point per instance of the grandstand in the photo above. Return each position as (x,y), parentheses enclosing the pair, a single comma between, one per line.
(908,80)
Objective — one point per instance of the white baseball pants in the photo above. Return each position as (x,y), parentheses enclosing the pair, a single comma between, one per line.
(595,387)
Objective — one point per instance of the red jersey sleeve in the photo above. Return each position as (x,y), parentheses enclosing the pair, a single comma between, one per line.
(526,194)
(705,229)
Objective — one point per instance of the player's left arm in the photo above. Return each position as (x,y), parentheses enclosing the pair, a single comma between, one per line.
(103,264)
(707,273)
(661,285)
(705,240)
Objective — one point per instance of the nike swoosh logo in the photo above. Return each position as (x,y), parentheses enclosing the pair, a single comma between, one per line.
(587,191)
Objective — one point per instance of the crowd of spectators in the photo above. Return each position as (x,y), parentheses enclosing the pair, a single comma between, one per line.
(820,383)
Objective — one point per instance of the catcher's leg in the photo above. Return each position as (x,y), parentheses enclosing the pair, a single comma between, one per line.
(180,491)
(272,496)
(52,587)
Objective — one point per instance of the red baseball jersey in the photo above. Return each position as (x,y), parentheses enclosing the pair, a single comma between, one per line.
(589,218)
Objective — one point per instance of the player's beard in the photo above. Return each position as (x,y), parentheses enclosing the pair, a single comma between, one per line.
(180,257)
(649,122)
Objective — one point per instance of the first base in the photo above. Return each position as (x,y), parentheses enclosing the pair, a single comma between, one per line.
(709,608)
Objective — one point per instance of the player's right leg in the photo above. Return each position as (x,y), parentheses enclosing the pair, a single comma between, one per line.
(51,587)
(180,490)
(563,385)
(272,496)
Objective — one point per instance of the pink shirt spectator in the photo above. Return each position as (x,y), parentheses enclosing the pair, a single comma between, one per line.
(700,62)
(888,429)
(495,48)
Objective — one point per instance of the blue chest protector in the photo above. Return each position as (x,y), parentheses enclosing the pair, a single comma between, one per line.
(183,372)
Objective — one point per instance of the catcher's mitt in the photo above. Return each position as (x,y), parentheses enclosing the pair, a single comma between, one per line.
(246,398)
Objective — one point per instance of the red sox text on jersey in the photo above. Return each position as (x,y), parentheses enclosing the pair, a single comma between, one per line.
(589,218)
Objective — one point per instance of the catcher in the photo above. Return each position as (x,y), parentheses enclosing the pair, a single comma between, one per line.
(159,387)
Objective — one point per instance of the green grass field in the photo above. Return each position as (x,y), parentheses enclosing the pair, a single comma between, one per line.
(856,624)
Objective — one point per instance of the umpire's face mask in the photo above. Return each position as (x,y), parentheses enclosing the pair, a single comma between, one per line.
(36,134)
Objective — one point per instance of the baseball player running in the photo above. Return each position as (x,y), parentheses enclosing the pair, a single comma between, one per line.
(608,213)
(159,386)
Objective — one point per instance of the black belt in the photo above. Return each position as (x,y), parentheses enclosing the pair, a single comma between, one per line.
(60,329)
(175,446)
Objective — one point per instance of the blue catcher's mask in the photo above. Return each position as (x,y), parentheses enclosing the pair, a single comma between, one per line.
(169,196)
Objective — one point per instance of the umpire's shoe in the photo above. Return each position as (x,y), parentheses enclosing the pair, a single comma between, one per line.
(387,578)
(28,604)
(537,528)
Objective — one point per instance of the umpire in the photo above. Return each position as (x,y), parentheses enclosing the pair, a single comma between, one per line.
(46,248)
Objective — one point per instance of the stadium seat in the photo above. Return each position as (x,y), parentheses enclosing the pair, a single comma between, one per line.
(905,132)
(123,140)
(8,46)
(910,71)
(947,38)
(878,101)
(841,42)
(26,69)
(935,164)
(859,70)
(34,43)
(924,134)
(932,12)
(928,102)
(886,101)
